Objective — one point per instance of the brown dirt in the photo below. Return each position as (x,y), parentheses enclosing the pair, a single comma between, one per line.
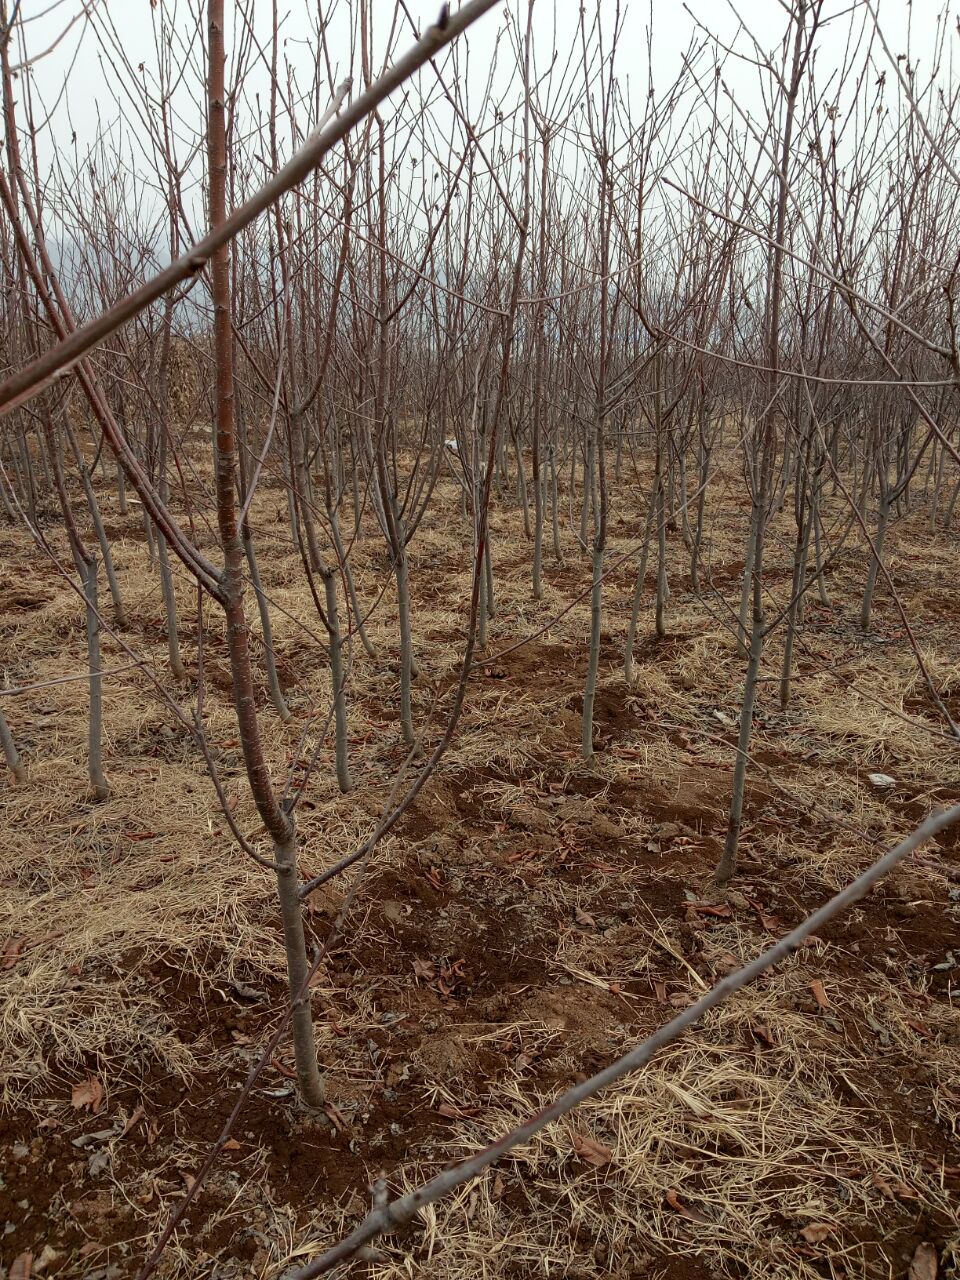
(532,916)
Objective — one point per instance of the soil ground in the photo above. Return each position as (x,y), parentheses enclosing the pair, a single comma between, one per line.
(531,918)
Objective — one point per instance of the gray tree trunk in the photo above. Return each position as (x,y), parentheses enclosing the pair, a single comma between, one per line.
(10,753)
(312,1088)
(98,781)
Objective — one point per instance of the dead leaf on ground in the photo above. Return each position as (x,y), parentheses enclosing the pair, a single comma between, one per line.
(923,1265)
(590,1150)
(763,1033)
(895,1189)
(89,1093)
(816,1232)
(456,1113)
(132,1122)
(685,1211)
(48,1256)
(584,918)
(22,1267)
(231,1144)
(423,968)
(819,993)
(12,951)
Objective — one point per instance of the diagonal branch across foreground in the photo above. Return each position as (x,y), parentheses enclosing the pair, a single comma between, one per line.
(386,1217)
(28,382)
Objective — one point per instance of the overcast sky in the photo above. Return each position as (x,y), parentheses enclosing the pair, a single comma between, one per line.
(673,23)
(76,77)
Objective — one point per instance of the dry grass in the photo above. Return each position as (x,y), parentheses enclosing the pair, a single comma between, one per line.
(587,870)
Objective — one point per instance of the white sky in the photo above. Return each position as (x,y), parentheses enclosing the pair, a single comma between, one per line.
(89,88)
(93,93)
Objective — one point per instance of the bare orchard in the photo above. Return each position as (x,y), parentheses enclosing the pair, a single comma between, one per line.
(479,662)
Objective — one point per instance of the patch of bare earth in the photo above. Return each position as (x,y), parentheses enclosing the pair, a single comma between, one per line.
(529,920)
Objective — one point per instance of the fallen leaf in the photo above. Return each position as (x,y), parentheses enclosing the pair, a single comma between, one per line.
(422,968)
(84,1140)
(660,990)
(591,1150)
(708,909)
(726,962)
(584,918)
(763,1034)
(903,1192)
(456,1113)
(471,1213)
(923,1265)
(693,1215)
(817,1232)
(231,1144)
(12,951)
(819,993)
(881,781)
(148,1193)
(132,1122)
(88,1094)
(920,1028)
(48,1256)
(189,1181)
(22,1266)
(879,1028)
(882,1185)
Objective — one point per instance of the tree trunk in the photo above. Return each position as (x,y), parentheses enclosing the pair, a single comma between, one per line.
(638,589)
(338,680)
(406,648)
(274,817)
(662,585)
(883,521)
(98,781)
(10,753)
(312,1088)
(593,663)
(263,608)
(119,613)
(358,625)
(728,862)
